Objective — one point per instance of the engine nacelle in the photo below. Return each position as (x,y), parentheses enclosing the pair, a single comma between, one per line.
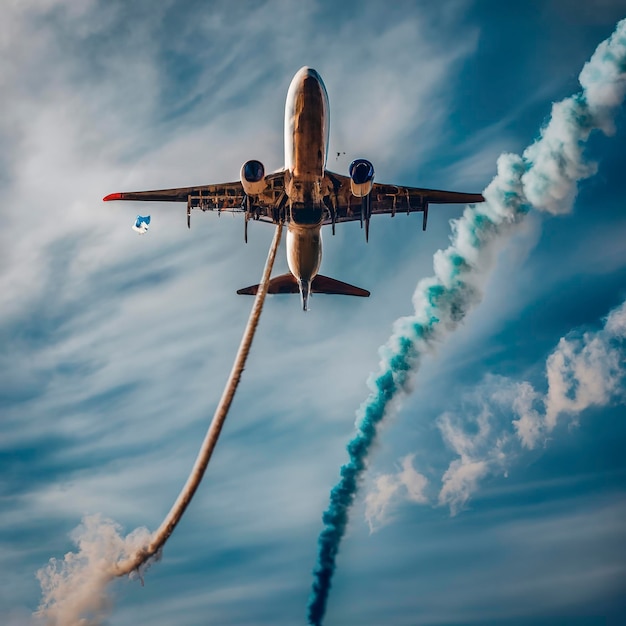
(253,177)
(361,177)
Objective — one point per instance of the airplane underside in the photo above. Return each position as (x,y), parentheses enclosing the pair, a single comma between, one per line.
(304,195)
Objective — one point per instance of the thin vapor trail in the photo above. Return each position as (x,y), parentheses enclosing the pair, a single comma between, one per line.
(545,178)
(162,534)
(77,586)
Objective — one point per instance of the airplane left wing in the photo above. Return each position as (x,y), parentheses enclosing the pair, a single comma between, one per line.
(389,199)
(221,197)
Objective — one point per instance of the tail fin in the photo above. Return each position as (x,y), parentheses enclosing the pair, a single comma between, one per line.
(287,283)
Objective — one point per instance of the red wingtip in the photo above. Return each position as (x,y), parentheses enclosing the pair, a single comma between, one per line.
(113,196)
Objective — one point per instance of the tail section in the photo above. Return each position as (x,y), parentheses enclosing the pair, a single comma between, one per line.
(305,290)
(287,283)
(323,284)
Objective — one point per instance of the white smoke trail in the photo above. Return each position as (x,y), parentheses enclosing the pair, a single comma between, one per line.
(544,177)
(210,440)
(75,590)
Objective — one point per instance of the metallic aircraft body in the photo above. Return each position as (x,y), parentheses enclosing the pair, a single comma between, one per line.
(304,194)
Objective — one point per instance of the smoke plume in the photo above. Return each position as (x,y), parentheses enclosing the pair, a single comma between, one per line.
(75,590)
(544,178)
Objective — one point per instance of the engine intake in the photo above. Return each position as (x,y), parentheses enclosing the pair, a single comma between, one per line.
(253,177)
(361,177)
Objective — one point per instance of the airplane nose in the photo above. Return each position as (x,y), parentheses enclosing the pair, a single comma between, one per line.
(311,83)
(306,78)
(305,74)
(308,71)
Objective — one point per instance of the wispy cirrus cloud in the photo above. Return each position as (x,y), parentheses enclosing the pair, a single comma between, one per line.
(115,349)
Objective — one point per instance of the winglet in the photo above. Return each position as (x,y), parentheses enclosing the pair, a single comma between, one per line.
(113,196)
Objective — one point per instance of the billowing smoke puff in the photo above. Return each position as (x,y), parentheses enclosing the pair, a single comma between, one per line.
(544,177)
(74,590)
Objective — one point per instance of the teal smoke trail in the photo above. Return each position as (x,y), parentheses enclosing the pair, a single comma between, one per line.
(545,178)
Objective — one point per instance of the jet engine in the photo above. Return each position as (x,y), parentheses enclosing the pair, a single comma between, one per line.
(253,177)
(361,183)
(361,177)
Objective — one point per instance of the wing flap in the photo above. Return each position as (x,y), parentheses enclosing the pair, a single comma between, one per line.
(219,197)
(223,193)
(389,199)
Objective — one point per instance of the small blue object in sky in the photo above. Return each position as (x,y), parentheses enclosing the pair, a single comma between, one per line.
(142,224)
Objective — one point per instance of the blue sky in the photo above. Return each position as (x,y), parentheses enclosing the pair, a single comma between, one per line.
(117,346)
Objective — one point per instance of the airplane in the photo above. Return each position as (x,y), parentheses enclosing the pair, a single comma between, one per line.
(304,195)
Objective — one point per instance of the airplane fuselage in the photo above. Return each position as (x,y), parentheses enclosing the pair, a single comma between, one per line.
(306,146)
(304,195)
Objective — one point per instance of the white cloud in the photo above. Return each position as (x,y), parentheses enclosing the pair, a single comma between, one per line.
(389,489)
(580,373)
(501,417)
(529,425)
(85,91)
(377,500)
(480,452)
(460,481)
(583,371)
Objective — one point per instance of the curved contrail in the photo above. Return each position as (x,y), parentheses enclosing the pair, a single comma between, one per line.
(162,534)
(75,586)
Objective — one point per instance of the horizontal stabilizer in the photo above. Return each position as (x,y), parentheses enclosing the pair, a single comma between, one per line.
(287,283)
(323,284)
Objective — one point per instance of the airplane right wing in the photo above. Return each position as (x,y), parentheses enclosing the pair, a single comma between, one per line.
(389,199)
